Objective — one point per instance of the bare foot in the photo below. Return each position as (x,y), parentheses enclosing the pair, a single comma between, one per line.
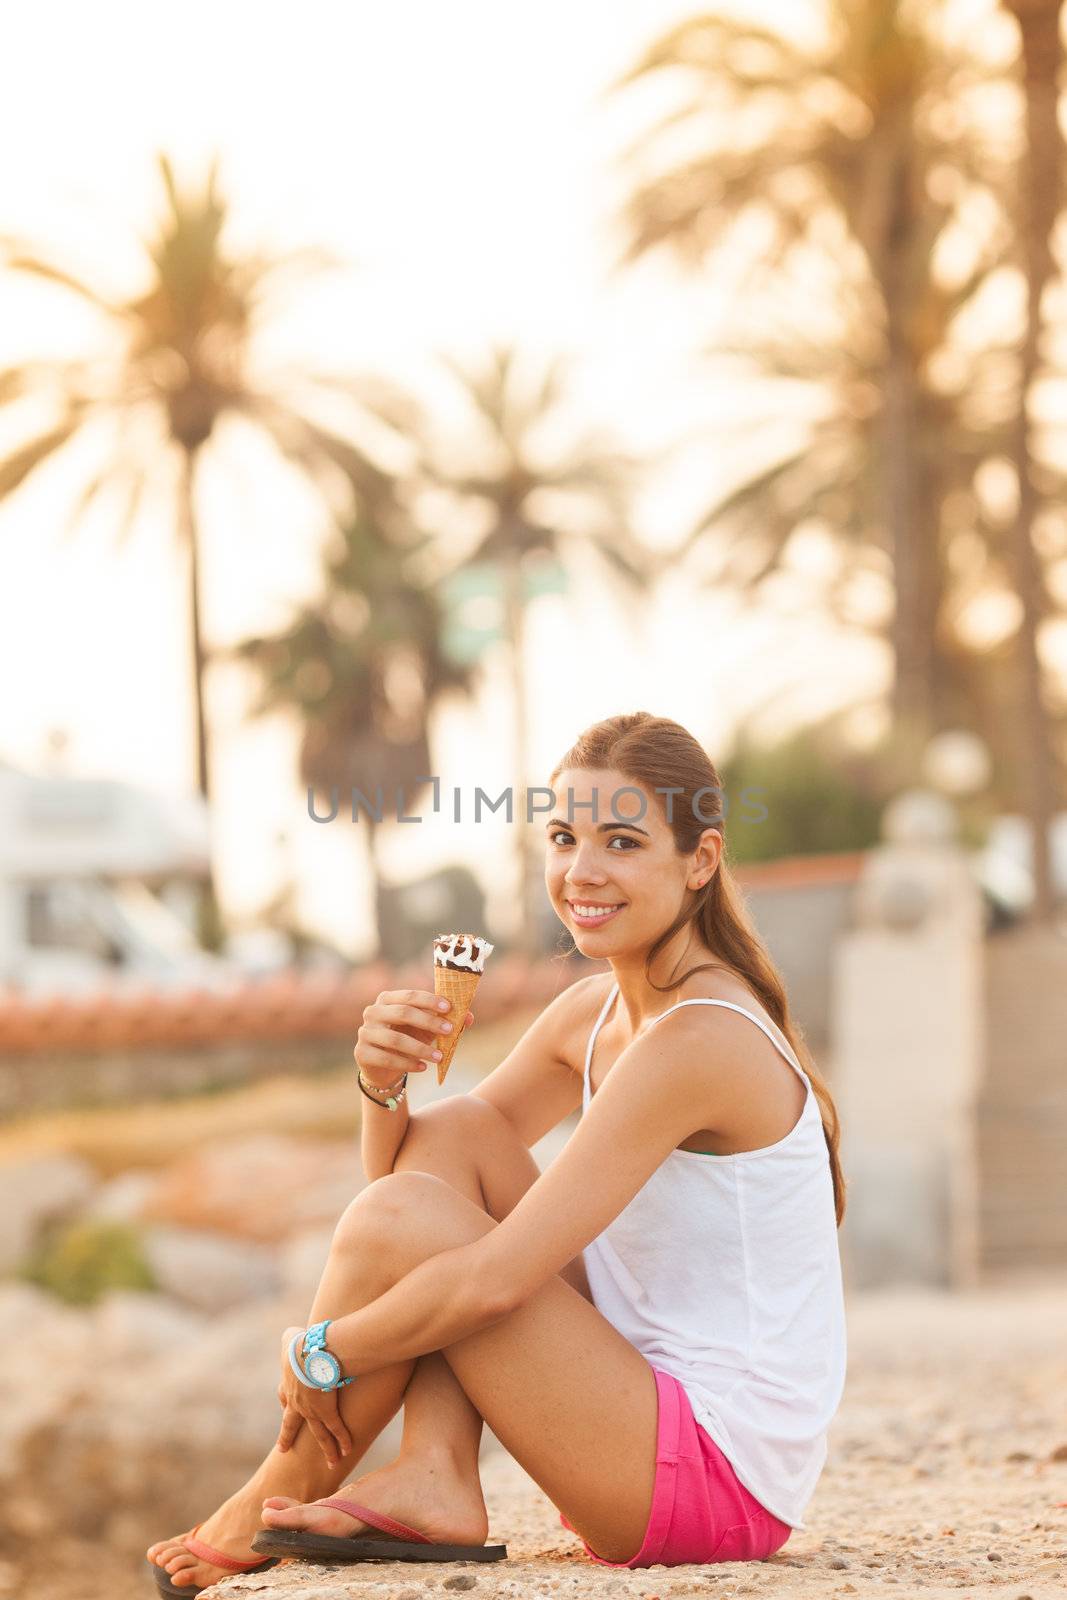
(428,1493)
(230,1530)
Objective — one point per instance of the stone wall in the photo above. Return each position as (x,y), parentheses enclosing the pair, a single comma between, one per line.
(1022,1105)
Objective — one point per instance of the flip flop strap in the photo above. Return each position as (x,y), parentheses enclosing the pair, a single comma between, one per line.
(215,1558)
(376,1519)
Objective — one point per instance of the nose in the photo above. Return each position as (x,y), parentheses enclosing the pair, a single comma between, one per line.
(580,874)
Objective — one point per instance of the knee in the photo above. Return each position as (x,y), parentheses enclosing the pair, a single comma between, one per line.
(464,1119)
(382,1210)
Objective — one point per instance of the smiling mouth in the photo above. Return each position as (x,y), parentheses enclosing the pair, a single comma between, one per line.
(591,914)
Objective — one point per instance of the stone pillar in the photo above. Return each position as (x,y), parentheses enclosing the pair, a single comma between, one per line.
(907,1030)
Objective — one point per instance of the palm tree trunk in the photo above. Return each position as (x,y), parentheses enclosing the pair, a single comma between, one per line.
(888,227)
(1042,56)
(210,929)
(515,626)
(914,565)
(374,871)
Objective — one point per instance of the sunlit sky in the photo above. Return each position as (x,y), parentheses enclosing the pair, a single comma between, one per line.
(461,157)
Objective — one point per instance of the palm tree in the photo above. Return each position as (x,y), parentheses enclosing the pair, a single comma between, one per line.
(363,669)
(184,359)
(540,498)
(1041,195)
(856,156)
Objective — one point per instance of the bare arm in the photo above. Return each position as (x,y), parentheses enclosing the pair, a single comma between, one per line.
(400,1029)
(663,1087)
(380,1136)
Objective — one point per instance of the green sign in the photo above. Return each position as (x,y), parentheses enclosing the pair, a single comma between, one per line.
(474,603)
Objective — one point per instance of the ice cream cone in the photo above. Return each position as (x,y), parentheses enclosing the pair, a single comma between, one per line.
(459,983)
(460,988)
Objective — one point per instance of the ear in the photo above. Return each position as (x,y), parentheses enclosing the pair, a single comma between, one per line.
(704,862)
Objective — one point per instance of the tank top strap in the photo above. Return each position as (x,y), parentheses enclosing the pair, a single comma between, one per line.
(751,1015)
(605,1008)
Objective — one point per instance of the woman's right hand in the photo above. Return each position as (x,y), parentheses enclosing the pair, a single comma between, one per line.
(397,1028)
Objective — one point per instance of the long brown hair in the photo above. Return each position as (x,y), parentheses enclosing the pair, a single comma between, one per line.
(660,754)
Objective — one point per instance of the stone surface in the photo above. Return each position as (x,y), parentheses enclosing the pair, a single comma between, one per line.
(207,1271)
(123,1198)
(41,1190)
(300,1263)
(951,1422)
(264,1189)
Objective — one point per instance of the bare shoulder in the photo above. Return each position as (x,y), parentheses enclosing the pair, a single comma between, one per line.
(720,983)
(752,1039)
(580,1006)
(748,1049)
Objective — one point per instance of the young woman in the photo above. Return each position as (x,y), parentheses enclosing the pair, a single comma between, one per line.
(653,1327)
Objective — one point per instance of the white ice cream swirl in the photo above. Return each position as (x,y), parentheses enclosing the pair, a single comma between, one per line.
(465,950)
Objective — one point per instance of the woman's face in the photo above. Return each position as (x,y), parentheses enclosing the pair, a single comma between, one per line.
(616,885)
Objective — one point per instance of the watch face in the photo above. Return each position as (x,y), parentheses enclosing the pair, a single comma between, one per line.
(321,1367)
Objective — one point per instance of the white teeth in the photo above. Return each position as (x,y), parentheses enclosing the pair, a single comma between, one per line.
(595,911)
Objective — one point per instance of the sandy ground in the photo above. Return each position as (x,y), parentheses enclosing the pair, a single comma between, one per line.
(947,1474)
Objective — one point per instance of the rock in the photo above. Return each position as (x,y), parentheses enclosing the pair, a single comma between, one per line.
(462,1580)
(124,1198)
(128,1450)
(208,1272)
(41,1374)
(839,1564)
(301,1261)
(35,1192)
(139,1327)
(265,1189)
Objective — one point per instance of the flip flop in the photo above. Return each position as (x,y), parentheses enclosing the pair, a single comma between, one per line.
(406,1544)
(215,1558)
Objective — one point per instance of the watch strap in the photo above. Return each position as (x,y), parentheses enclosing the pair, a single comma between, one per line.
(314,1340)
(296,1365)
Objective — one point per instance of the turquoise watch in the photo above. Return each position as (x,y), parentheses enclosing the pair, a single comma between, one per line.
(321,1370)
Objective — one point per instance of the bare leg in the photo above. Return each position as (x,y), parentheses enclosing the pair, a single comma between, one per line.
(473,1148)
(566,1394)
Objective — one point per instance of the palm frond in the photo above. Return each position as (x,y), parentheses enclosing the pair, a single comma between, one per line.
(21,462)
(315,448)
(17,257)
(96,485)
(721,46)
(755,489)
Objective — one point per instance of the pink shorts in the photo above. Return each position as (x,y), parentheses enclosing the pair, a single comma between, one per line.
(700,1512)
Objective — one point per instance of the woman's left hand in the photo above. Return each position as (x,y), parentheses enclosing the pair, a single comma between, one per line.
(317,1407)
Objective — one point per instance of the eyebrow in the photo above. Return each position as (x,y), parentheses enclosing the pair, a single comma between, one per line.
(602,827)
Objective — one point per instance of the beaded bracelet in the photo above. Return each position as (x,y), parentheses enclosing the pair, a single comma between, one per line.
(394,1099)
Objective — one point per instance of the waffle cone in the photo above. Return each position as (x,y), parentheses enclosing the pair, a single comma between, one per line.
(459,987)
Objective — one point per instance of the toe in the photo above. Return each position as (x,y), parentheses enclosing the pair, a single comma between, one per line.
(289,1515)
(280,1502)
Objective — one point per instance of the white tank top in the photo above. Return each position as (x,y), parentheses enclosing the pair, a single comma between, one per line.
(724,1270)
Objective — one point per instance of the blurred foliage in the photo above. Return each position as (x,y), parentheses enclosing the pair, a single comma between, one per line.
(363,668)
(815,804)
(860,187)
(83,1260)
(546,495)
(184,357)
(821,796)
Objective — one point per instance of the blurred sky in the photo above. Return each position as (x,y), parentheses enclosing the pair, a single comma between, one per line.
(461,156)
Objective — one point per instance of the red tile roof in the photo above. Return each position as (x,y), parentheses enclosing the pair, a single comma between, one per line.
(289,1005)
